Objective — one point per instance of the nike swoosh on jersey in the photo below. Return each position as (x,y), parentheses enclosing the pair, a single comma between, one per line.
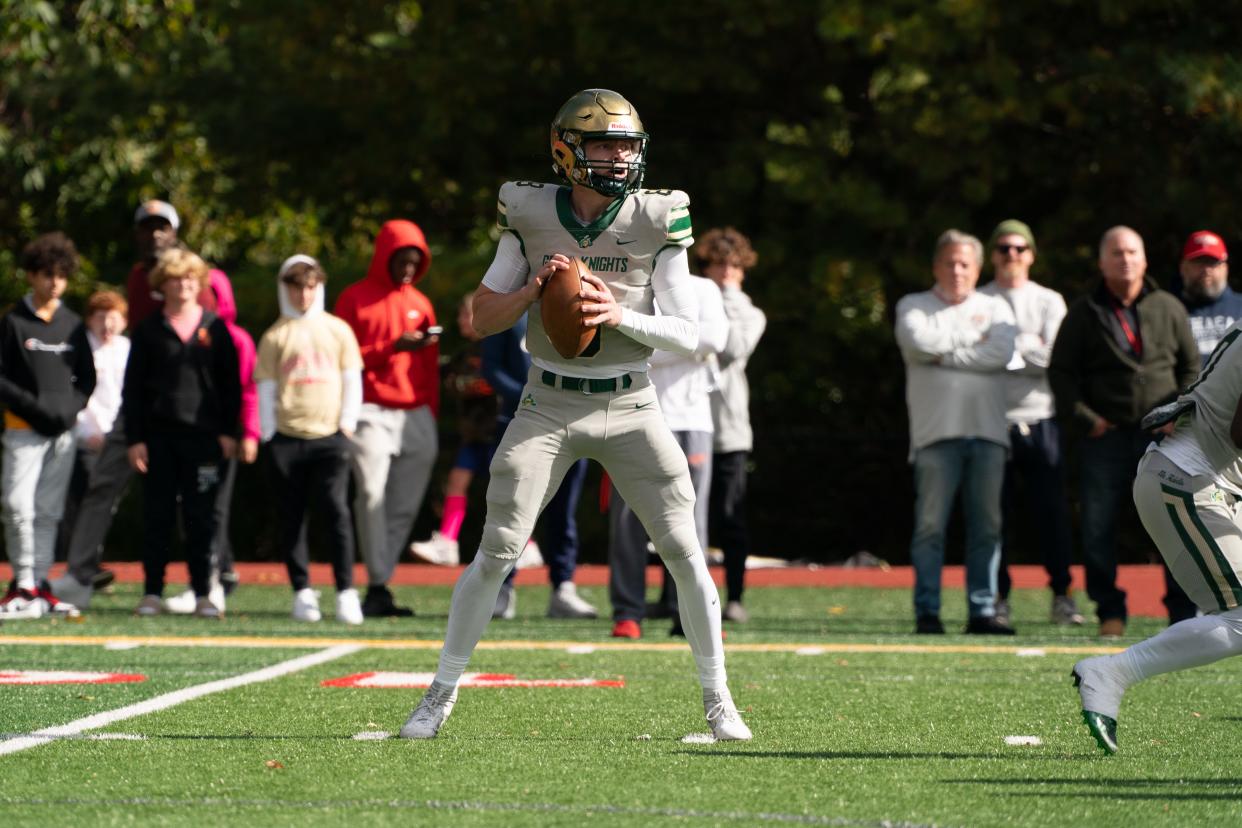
(644,405)
(627,241)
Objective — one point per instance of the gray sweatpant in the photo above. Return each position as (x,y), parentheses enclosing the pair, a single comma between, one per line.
(392,453)
(34,477)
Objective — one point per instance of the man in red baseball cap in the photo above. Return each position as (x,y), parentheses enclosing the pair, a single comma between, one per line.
(1212,306)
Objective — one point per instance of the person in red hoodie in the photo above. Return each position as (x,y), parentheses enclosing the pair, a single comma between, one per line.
(395,445)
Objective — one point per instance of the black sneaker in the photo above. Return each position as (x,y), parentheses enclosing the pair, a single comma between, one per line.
(928,625)
(987,625)
(102,579)
(676,631)
(379,604)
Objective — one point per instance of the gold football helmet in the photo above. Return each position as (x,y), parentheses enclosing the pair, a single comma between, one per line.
(594,114)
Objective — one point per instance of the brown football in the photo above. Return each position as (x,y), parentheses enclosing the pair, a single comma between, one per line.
(560,308)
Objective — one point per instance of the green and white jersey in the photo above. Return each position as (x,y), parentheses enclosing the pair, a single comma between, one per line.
(621,247)
(1200,443)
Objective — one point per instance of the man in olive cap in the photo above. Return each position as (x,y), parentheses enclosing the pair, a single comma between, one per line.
(1034,474)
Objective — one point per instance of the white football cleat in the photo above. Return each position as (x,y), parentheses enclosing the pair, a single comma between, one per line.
(426,720)
(722,716)
(565,602)
(348,608)
(306,605)
(441,550)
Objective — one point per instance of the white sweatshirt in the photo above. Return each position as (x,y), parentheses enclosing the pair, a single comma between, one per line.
(955,357)
(1038,311)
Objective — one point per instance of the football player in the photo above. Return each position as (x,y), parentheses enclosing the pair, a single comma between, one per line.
(1189,496)
(600,404)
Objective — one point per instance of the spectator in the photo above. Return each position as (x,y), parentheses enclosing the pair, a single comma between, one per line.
(181,403)
(1210,303)
(223,574)
(106,313)
(1123,348)
(46,378)
(477,409)
(310,389)
(956,342)
(1034,437)
(724,256)
(683,388)
(156,225)
(395,445)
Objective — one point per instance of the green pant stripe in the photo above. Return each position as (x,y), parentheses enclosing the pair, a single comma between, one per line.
(1209,542)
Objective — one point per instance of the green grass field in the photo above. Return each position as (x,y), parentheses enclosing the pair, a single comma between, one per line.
(856,722)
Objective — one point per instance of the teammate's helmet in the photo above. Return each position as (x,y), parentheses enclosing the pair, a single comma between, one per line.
(597,113)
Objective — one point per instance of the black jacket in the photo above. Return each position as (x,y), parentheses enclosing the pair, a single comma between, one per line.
(47,372)
(1093,377)
(172,385)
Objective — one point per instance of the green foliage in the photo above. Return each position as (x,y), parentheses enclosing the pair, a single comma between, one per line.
(842,137)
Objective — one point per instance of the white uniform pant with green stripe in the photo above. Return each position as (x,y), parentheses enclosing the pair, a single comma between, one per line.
(1198,528)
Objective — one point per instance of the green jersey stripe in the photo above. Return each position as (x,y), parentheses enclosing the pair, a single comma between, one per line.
(1200,544)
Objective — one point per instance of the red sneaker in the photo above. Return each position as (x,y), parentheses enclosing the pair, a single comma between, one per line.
(627,629)
(55,606)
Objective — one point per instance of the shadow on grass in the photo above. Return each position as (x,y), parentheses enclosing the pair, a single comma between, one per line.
(1156,789)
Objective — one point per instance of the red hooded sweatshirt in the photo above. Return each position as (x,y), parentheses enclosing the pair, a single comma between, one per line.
(379,312)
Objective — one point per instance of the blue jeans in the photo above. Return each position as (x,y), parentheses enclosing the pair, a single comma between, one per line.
(977,467)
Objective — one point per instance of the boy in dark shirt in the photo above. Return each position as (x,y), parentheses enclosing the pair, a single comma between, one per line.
(46,376)
(180,404)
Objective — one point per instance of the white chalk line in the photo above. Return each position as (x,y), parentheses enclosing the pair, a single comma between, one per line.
(176,697)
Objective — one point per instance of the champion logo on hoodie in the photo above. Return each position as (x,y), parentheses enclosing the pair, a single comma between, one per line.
(33,344)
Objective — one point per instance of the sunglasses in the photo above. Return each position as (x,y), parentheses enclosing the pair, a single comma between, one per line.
(1016,248)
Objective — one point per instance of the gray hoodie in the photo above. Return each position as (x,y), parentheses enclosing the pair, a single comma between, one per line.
(731,398)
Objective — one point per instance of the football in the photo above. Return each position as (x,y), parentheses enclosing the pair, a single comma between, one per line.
(560,308)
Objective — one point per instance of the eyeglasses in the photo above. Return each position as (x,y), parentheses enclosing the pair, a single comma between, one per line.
(1004,249)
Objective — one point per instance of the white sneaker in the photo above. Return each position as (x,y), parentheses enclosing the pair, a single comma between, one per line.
(431,713)
(21,604)
(441,550)
(348,608)
(182,604)
(216,595)
(506,603)
(567,603)
(1098,686)
(722,716)
(530,556)
(67,588)
(306,605)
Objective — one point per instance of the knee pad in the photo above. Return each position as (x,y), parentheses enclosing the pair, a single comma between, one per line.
(502,541)
(680,542)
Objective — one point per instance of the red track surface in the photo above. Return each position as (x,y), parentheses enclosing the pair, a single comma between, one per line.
(1145,584)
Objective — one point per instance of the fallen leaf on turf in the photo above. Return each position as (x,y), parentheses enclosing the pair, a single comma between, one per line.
(836,610)
(274,765)
(85,697)
(1197,715)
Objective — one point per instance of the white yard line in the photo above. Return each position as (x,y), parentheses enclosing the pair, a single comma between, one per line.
(284,668)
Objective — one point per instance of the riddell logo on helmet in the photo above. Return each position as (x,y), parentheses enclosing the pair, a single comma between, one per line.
(617,125)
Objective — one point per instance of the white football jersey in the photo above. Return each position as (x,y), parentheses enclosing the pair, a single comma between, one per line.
(1200,442)
(620,247)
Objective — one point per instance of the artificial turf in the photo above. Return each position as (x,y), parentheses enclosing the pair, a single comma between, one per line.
(846,733)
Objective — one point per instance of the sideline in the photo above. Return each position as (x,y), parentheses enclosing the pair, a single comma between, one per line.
(98,720)
(806,648)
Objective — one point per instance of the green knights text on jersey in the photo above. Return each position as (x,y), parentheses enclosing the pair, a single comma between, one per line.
(622,247)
